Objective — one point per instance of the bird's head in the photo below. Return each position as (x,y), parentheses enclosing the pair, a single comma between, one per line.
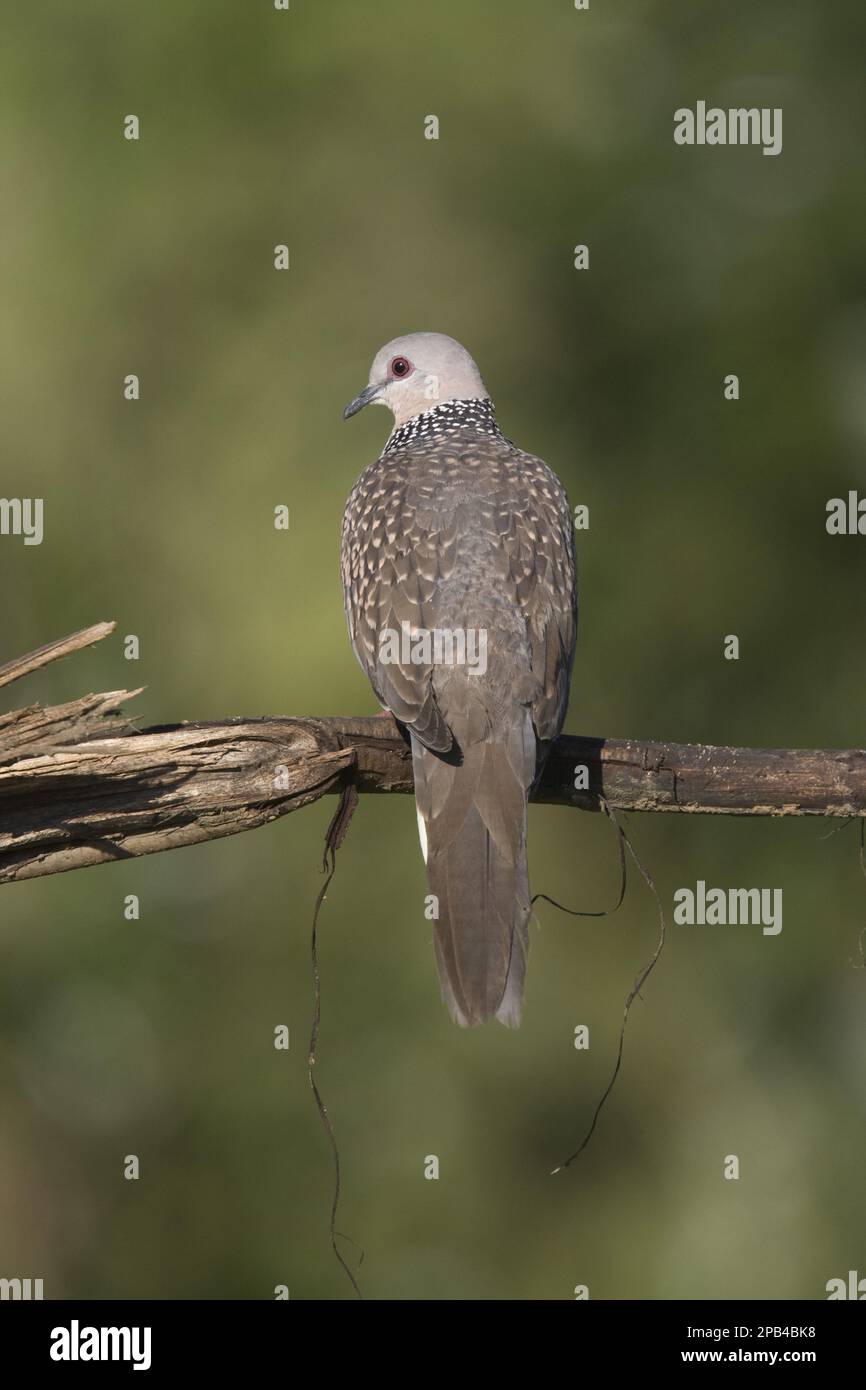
(414,373)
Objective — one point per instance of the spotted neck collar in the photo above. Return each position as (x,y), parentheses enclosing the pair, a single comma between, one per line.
(441,419)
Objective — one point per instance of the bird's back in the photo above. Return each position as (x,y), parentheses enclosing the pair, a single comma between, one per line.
(457,535)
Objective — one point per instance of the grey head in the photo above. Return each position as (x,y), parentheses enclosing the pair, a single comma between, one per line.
(414,373)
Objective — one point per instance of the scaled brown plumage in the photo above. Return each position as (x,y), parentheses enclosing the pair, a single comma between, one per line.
(455,530)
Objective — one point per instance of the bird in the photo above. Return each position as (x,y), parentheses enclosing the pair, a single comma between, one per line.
(459,585)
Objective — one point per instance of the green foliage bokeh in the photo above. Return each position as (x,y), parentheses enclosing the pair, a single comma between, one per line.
(706,518)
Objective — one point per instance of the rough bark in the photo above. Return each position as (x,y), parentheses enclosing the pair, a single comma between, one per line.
(80,786)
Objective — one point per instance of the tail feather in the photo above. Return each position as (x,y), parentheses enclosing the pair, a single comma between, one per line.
(473,818)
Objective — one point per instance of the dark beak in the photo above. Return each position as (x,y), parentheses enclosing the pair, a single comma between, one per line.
(368,394)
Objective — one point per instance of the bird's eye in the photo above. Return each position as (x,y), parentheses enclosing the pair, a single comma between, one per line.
(400,366)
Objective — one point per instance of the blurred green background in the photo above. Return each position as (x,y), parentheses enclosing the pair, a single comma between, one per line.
(706,518)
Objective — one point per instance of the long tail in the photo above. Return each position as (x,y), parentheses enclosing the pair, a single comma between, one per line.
(472,822)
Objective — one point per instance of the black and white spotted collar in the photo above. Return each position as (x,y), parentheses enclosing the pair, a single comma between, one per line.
(439,419)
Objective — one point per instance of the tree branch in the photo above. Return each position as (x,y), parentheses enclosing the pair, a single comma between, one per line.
(79,786)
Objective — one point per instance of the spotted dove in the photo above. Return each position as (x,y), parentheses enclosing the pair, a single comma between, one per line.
(459,584)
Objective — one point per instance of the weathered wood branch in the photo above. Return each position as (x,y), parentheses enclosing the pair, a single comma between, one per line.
(79,787)
(52,651)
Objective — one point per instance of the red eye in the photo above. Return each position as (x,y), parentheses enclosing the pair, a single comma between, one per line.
(400,366)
